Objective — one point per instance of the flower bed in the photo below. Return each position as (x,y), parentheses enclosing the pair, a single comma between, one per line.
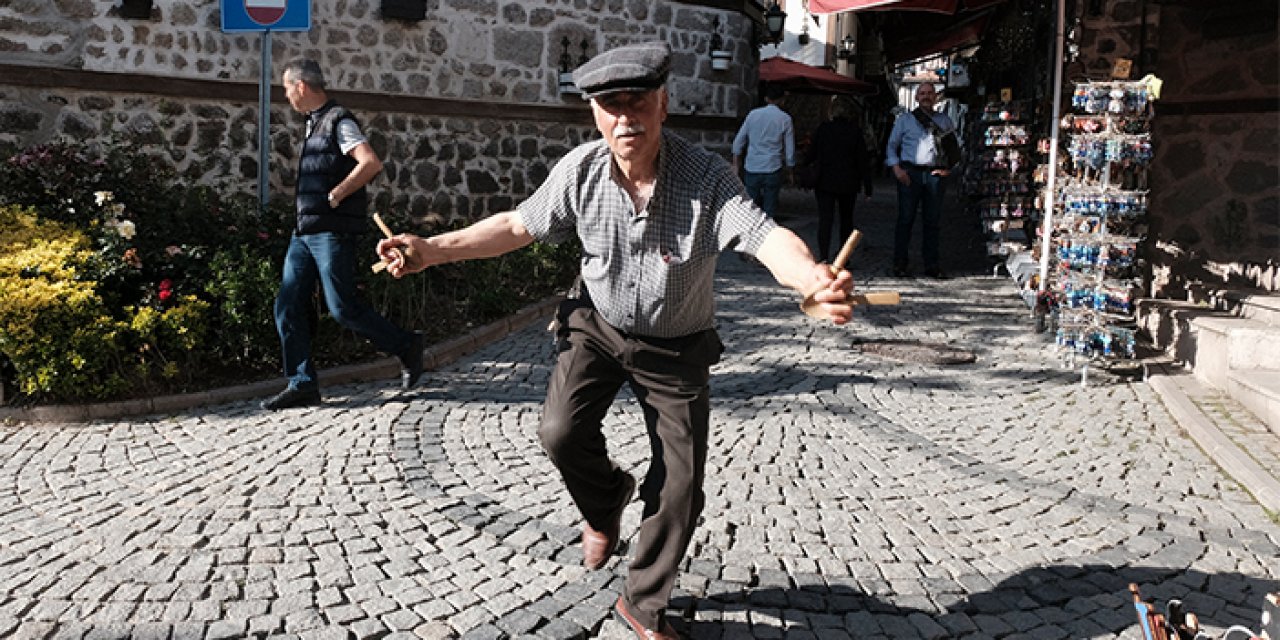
(119,281)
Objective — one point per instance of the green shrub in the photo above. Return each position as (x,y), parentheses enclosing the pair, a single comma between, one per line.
(117,280)
(243,285)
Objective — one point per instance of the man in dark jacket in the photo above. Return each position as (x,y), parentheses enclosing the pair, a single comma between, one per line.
(839,151)
(335,165)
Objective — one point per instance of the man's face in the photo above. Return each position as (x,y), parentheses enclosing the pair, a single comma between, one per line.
(927,96)
(631,121)
(294,92)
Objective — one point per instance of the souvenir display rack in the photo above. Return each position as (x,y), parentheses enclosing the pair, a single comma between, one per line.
(1100,220)
(999,180)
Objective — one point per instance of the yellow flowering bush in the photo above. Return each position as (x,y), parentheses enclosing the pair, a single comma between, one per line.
(119,279)
(58,333)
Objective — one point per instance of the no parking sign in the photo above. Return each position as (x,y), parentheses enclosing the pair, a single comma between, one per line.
(266,15)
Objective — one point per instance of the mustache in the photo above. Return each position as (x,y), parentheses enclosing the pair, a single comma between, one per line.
(628,130)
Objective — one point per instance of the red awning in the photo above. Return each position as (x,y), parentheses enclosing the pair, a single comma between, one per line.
(964,33)
(935,6)
(802,78)
(838,6)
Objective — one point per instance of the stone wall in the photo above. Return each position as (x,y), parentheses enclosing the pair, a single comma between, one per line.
(1214,204)
(492,65)
(1216,180)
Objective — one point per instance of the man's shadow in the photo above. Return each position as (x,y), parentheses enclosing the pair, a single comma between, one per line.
(1057,601)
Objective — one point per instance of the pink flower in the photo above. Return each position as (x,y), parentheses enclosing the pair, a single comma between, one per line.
(173,250)
(263,235)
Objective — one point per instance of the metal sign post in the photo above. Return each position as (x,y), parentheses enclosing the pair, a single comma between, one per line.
(264,120)
(265,16)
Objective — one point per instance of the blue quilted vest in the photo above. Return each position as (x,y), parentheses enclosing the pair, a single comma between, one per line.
(321,167)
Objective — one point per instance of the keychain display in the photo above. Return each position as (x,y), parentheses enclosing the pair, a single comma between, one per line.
(1006,136)
(1108,202)
(1075,124)
(1102,204)
(1113,257)
(1010,208)
(1002,160)
(1111,97)
(1090,341)
(1005,112)
(1095,151)
(999,180)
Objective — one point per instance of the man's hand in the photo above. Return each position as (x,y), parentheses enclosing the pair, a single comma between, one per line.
(832,292)
(901,175)
(941,173)
(398,263)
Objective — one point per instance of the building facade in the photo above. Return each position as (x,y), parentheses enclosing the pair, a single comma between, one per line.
(463,106)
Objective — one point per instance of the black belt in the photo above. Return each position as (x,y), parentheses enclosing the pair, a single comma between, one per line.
(921,167)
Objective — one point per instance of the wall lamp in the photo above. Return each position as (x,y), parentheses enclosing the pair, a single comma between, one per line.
(407,10)
(720,57)
(136,9)
(845,51)
(567,85)
(775,22)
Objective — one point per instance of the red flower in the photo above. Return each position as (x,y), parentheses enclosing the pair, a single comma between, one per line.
(165,294)
(166,284)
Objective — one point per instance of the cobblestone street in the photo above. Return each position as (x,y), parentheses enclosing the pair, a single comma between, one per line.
(849,494)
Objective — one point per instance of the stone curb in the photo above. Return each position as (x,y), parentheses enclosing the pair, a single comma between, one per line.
(1173,389)
(435,356)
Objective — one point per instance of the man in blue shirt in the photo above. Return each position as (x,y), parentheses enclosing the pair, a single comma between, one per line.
(768,140)
(921,171)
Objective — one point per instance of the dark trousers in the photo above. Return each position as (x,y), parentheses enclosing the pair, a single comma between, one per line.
(764,189)
(827,202)
(925,193)
(669,378)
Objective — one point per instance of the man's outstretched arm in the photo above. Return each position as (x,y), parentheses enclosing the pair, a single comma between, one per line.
(493,236)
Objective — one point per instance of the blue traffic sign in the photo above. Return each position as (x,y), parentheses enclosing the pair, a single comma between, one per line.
(266,15)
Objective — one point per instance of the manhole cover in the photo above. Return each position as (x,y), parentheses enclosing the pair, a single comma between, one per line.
(915,351)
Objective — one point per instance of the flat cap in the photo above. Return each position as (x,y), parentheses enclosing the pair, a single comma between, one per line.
(632,67)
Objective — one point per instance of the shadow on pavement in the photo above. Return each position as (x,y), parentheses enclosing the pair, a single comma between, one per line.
(1042,602)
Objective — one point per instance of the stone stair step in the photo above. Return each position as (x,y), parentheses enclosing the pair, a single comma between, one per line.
(1166,324)
(1262,308)
(1225,343)
(1225,429)
(1259,391)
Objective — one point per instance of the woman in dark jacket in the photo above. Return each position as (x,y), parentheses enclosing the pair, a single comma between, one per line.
(839,151)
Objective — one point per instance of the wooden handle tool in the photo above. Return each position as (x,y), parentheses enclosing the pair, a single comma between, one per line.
(386,231)
(814,308)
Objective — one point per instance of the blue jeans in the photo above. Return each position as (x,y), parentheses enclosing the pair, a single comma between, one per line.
(764,189)
(330,259)
(925,193)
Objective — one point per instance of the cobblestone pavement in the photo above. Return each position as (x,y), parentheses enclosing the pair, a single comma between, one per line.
(849,495)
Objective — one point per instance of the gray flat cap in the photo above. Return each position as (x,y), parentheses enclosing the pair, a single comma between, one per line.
(633,67)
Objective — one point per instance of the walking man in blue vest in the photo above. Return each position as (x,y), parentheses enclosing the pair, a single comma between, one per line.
(332,203)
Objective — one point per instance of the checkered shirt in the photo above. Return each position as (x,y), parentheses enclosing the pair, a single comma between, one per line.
(649,273)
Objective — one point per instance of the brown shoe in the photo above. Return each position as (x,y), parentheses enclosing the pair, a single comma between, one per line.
(597,546)
(665,631)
